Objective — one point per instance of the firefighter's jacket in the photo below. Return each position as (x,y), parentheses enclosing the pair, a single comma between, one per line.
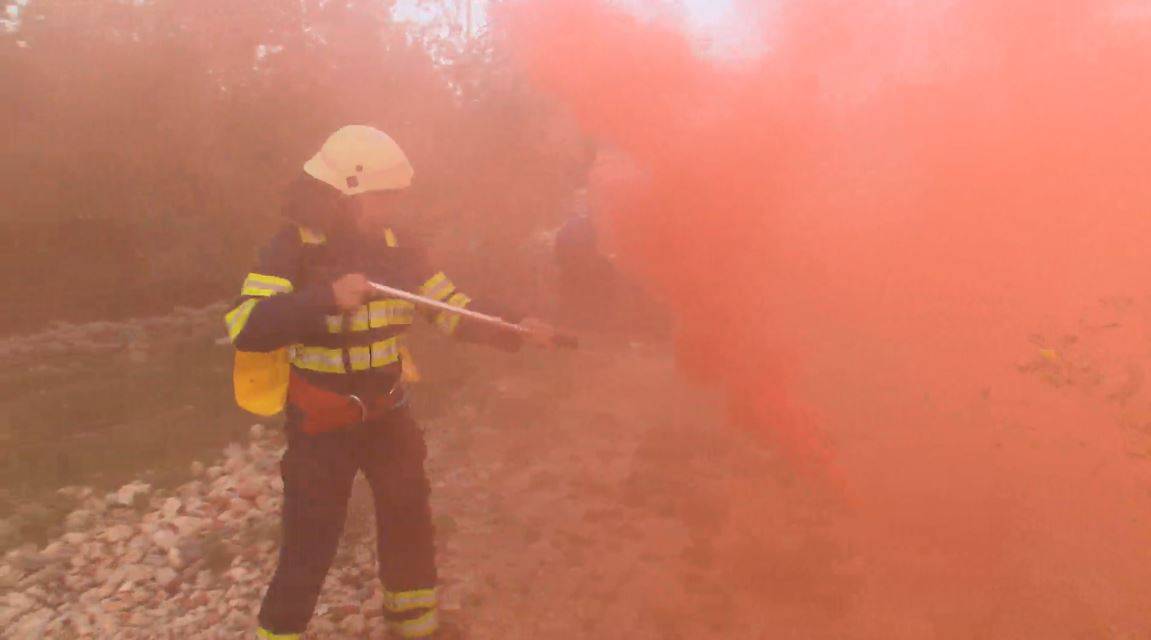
(287,302)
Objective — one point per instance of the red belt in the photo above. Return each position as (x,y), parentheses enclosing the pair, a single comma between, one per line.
(326,411)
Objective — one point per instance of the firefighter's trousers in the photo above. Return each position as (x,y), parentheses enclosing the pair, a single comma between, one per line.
(318,472)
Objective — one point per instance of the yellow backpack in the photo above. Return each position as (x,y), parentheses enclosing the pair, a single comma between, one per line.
(260,381)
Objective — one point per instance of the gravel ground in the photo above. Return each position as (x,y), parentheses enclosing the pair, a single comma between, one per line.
(567,505)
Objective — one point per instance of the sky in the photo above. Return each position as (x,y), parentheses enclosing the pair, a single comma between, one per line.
(720,29)
(712,16)
(714,23)
(718,22)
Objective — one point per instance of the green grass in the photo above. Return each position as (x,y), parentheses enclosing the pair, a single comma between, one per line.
(103,420)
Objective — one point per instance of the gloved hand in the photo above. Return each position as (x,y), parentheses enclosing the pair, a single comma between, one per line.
(351,291)
(538,332)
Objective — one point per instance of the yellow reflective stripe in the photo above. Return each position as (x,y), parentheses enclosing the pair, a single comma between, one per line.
(420,627)
(385,313)
(307,236)
(449,322)
(361,358)
(437,287)
(262,285)
(400,601)
(379,313)
(318,359)
(264,634)
(374,356)
(459,300)
(237,318)
(359,320)
(390,238)
(385,352)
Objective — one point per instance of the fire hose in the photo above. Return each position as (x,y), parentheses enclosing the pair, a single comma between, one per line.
(559,340)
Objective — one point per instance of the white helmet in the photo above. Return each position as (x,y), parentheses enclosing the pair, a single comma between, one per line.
(358,159)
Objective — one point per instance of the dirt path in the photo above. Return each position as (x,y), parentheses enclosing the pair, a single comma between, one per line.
(574,504)
(592,494)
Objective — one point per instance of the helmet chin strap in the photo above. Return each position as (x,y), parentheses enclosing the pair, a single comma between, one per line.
(314,204)
(351,222)
(343,225)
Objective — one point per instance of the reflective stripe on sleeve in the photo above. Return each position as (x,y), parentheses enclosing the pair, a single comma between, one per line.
(449,322)
(438,287)
(237,318)
(261,285)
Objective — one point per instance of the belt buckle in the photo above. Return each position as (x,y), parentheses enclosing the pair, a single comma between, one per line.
(363,407)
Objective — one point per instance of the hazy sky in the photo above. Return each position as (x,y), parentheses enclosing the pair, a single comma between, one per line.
(710,14)
(718,22)
(713,21)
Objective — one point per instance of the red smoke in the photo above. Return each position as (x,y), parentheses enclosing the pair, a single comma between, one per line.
(914,242)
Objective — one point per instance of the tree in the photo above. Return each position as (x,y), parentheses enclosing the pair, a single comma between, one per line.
(172,126)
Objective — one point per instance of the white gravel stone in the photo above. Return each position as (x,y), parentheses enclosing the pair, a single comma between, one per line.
(19,601)
(9,577)
(33,625)
(75,538)
(126,496)
(171,507)
(118,533)
(79,520)
(165,539)
(249,487)
(188,525)
(354,624)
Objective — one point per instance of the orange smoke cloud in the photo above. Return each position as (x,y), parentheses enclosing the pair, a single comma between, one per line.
(911,242)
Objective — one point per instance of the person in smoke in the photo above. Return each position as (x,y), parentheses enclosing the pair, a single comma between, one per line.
(593,293)
(587,278)
(307,322)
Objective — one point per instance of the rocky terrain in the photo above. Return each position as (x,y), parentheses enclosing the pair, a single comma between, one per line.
(589,494)
(567,505)
(141,563)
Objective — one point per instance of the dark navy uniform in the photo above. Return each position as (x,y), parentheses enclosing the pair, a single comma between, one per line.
(287,302)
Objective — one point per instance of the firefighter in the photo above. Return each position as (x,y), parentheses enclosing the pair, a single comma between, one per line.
(588,282)
(310,339)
